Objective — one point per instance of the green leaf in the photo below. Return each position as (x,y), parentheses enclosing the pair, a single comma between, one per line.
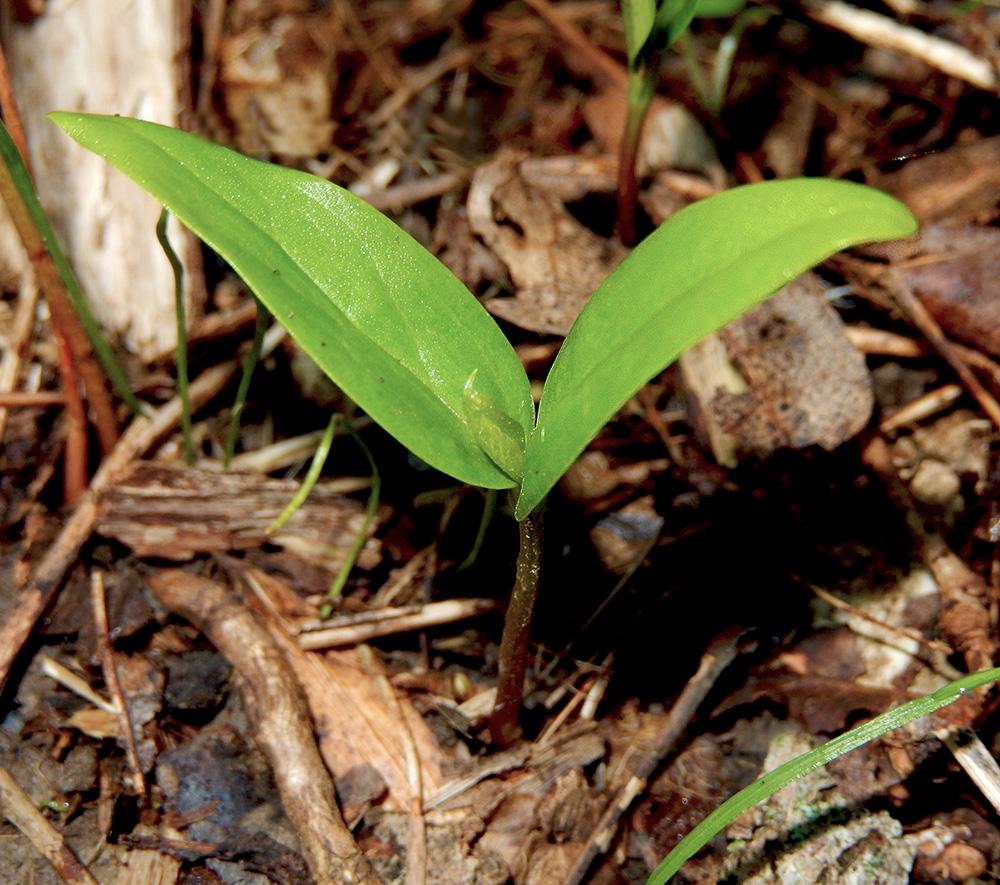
(378,313)
(699,270)
(783,775)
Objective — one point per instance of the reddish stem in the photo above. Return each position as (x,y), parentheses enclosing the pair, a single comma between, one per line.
(504,725)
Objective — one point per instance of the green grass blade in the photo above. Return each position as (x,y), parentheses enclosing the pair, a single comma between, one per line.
(379,314)
(371,509)
(311,477)
(243,390)
(773,781)
(700,269)
(102,350)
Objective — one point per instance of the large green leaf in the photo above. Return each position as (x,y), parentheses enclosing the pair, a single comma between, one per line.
(379,314)
(696,272)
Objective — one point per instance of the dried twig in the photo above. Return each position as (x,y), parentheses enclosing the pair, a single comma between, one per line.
(978,762)
(838,603)
(357,628)
(18,808)
(110,670)
(277,708)
(879,30)
(141,435)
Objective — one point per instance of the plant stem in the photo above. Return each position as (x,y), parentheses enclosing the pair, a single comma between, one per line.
(249,364)
(640,94)
(179,314)
(504,725)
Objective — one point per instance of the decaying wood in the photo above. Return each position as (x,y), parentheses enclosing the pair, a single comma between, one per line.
(61,62)
(277,707)
(18,808)
(354,727)
(149,867)
(141,436)
(174,512)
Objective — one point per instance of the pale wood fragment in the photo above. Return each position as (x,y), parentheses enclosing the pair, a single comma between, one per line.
(110,57)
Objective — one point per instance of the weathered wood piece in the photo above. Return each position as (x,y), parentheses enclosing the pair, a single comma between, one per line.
(108,57)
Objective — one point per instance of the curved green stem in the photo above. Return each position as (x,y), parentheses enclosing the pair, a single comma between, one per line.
(179,313)
(249,364)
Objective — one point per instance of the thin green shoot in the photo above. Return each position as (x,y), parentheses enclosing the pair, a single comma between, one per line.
(371,508)
(181,317)
(773,781)
(489,509)
(249,364)
(11,157)
(712,92)
(312,475)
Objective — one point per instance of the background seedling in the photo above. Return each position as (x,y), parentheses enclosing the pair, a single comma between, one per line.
(406,341)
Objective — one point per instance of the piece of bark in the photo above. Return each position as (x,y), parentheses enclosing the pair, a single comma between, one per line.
(554,261)
(354,726)
(105,223)
(276,705)
(174,512)
(789,378)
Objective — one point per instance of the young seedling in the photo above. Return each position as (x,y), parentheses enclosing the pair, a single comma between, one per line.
(407,342)
(650,27)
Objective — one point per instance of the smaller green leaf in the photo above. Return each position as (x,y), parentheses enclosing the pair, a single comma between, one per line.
(499,435)
(703,267)
(637,17)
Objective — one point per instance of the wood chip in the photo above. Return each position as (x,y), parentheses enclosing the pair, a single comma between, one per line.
(794,379)
(173,512)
